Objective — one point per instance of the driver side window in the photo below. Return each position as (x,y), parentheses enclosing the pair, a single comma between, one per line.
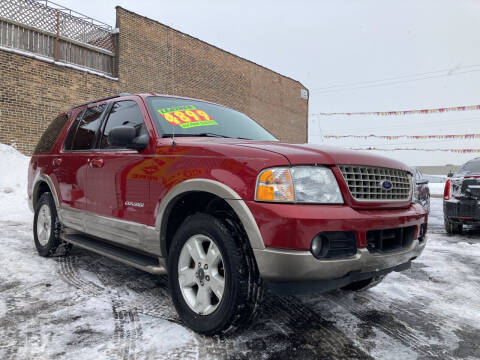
(123,113)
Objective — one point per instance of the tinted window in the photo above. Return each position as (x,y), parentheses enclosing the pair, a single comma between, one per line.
(185,117)
(123,113)
(71,132)
(473,166)
(50,135)
(87,128)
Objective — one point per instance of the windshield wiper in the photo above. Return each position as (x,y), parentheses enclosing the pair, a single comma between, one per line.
(201,134)
(212,135)
(206,135)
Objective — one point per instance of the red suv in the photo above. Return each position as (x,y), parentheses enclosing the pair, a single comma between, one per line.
(201,191)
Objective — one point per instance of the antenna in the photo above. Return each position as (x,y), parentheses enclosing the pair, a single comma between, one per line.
(173,136)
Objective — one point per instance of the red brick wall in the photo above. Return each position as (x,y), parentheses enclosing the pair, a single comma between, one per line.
(176,63)
(33,92)
(151,57)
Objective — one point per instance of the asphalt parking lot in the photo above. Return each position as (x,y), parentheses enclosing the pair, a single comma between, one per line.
(85,306)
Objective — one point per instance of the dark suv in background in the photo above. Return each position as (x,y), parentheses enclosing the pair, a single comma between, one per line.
(461,198)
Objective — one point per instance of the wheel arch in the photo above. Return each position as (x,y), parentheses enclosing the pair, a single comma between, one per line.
(44,184)
(204,190)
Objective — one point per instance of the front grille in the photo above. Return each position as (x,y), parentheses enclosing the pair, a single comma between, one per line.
(388,240)
(365,183)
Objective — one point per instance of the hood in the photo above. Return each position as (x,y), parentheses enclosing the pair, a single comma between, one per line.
(303,154)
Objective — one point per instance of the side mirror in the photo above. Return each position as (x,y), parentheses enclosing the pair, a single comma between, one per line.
(126,136)
(422,181)
(140,142)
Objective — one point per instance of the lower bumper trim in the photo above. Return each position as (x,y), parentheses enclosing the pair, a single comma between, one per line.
(283,265)
(321,286)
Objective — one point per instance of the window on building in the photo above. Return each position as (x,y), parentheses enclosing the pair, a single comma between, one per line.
(85,134)
(50,135)
(123,113)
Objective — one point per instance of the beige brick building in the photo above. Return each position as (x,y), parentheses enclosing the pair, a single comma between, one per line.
(145,56)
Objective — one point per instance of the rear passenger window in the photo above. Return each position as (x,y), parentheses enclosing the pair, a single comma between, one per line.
(67,145)
(50,135)
(123,113)
(84,138)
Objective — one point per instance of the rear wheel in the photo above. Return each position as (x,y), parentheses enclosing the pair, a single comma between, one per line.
(213,277)
(46,228)
(452,227)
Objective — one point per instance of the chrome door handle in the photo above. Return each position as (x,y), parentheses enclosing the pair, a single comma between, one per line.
(96,163)
(57,162)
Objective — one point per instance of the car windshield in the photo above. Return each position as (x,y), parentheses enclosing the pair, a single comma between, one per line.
(183,117)
(473,166)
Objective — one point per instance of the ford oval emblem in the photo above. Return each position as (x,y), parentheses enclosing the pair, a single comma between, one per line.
(386,184)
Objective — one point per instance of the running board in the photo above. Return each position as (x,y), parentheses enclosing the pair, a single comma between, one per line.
(143,262)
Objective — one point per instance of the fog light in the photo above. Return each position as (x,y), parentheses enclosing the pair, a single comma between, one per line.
(319,246)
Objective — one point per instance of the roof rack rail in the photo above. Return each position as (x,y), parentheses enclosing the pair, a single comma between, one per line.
(102,99)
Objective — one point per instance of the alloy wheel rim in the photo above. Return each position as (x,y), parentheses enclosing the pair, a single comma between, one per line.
(44,224)
(201,274)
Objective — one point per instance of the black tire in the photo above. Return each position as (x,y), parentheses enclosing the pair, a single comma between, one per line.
(452,227)
(243,289)
(364,285)
(53,242)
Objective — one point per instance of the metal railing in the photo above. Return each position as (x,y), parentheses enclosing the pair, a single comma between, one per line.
(50,30)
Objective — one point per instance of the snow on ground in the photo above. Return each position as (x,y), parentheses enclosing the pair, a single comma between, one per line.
(13,184)
(435,217)
(85,306)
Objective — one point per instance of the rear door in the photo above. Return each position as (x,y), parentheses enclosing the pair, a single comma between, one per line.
(117,180)
(71,165)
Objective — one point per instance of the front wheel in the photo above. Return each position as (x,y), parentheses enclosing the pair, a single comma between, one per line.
(213,277)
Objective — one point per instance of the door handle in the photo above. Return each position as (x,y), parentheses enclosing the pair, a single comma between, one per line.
(57,162)
(96,163)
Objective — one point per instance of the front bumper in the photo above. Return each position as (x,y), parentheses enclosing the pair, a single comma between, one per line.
(293,226)
(288,230)
(293,265)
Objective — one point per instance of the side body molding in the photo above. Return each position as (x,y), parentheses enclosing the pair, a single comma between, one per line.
(218,189)
(143,237)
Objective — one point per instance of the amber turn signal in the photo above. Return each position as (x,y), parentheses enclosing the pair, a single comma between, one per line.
(275,185)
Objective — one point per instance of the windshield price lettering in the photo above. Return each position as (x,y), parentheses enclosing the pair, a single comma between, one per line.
(187,118)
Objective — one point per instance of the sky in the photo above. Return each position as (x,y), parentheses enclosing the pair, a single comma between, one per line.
(339,49)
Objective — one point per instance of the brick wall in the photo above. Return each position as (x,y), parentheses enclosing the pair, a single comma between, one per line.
(151,57)
(176,63)
(33,92)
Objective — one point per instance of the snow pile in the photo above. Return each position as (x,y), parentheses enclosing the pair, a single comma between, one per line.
(13,185)
(436,189)
(435,217)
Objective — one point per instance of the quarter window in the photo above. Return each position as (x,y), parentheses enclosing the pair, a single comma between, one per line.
(87,128)
(71,132)
(50,135)
(123,113)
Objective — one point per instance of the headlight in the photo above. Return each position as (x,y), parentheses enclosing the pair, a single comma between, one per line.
(275,185)
(301,184)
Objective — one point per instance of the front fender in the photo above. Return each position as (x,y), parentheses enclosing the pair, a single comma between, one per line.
(216,188)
